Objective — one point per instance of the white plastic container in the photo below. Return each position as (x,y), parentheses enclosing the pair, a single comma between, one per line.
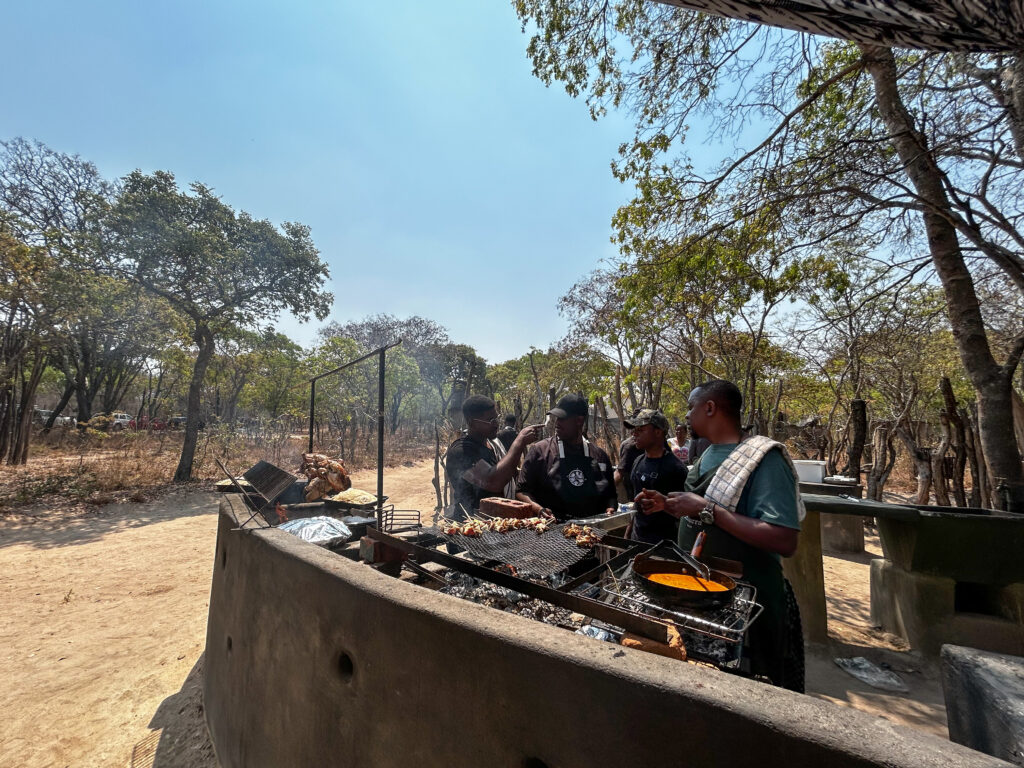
(810,471)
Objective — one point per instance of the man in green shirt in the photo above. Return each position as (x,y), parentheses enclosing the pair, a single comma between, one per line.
(757,528)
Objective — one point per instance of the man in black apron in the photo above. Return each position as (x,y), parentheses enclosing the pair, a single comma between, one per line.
(567,474)
(764,527)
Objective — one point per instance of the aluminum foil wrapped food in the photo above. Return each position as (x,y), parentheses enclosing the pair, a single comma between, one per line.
(326,475)
(325,531)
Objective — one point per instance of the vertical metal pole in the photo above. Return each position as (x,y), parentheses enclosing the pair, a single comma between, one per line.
(380,442)
(312,411)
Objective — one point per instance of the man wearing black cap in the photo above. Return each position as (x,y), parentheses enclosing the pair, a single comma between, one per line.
(657,469)
(567,474)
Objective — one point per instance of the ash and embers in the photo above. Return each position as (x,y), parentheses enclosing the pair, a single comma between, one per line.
(510,601)
(699,645)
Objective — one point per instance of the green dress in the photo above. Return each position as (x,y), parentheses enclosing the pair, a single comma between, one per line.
(770,495)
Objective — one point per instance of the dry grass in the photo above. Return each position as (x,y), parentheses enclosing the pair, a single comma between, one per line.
(71,474)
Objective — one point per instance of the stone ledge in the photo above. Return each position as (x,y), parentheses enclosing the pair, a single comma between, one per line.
(985,701)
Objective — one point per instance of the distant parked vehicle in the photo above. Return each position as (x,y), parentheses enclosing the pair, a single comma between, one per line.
(120,420)
(176,422)
(147,423)
(65,421)
(40,416)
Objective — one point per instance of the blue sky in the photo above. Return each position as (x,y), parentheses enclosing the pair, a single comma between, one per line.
(439,177)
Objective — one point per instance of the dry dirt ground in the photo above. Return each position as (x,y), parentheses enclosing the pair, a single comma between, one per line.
(104,620)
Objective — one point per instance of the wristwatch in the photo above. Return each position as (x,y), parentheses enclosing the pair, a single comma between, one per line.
(707,515)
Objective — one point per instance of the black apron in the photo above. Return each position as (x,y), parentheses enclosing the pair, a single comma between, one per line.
(580,484)
(768,637)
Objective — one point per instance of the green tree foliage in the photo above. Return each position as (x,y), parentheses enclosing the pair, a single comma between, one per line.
(219,269)
(858,142)
(34,306)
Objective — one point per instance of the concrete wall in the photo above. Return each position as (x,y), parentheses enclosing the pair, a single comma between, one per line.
(806,573)
(313,660)
(922,609)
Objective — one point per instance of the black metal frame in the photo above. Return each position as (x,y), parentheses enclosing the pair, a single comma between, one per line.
(632,622)
(380,353)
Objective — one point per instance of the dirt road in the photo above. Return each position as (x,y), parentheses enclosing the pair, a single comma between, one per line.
(104,621)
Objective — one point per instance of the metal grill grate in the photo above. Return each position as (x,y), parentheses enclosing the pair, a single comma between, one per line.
(525,550)
(269,480)
(715,635)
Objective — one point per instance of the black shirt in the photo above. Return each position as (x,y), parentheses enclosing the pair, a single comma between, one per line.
(507,435)
(664,475)
(544,480)
(628,453)
(463,454)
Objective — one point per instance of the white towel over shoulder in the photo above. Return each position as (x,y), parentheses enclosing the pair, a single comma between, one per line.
(732,475)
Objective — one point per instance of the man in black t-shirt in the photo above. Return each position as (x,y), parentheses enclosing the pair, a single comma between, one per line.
(628,454)
(477,465)
(656,469)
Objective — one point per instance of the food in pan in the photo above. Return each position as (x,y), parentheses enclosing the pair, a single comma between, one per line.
(685,581)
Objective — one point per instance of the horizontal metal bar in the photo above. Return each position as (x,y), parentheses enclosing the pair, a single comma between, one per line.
(350,363)
(632,622)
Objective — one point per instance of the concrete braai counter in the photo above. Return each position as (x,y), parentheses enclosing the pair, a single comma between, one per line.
(315,660)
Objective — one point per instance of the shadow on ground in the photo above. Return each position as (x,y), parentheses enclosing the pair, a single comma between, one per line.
(179,738)
(47,532)
(922,707)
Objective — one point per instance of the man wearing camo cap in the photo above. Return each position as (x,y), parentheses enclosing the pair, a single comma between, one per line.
(656,469)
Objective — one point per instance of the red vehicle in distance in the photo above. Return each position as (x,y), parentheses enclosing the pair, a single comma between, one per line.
(148,424)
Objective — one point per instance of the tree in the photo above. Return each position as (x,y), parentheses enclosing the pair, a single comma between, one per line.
(219,269)
(33,309)
(421,340)
(858,141)
(113,332)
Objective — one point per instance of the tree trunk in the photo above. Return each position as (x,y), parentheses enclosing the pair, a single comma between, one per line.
(23,421)
(436,480)
(7,401)
(1018,419)
(939,478)
(959,441)
(69,390)
(859,430)
(204,340)
(921,457)
(617,402)
(972,459)
(231,404)
(982,479)
(82,398)
(883,457)
(991,381)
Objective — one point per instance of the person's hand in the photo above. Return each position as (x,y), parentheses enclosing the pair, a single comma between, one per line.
(685,505)
(528,435)
(649,501)
(538,511)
